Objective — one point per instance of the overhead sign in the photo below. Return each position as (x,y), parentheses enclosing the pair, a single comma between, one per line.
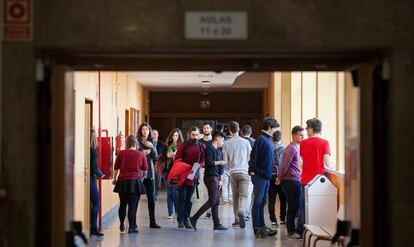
(17,20)
(212,25)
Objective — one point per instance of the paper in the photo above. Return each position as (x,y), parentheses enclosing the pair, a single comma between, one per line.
(193,172)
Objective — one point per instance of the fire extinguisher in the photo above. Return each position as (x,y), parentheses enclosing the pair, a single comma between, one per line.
(120,142)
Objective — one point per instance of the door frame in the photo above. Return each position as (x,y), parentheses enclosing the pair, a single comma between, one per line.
(238,60)
(87,165)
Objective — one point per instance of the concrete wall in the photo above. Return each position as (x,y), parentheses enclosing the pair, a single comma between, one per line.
(277,25)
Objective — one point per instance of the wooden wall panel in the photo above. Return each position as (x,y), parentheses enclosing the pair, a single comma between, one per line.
(221,102)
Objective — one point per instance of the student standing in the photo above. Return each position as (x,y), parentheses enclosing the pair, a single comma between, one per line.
(315,155)
(275,189)
(145,145)
(160,146)
(95,172)
(174,140)
(212,179)
(260,169)
(246,132)
(289,179)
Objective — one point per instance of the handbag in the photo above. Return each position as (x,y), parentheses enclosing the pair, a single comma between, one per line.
(159,165)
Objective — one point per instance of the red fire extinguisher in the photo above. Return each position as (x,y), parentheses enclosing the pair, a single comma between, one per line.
(120,143)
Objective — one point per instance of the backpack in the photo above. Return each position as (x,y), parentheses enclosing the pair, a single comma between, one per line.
(277,162)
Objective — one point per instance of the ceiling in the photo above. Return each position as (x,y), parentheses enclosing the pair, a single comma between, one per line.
(200,80)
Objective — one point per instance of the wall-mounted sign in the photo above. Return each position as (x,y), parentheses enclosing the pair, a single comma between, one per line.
(17,20)
(215,25)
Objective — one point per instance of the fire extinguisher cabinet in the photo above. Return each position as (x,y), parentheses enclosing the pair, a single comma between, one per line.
(107,157)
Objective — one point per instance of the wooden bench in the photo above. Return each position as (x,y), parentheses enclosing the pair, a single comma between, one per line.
(323,233)
(319,233)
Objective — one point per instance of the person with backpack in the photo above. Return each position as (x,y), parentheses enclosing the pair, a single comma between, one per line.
(190,152)
(275,189)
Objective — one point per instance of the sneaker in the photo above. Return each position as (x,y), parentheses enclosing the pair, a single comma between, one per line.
(282,222)
(220,228)
(270,232)
(169,217)
(275,224)
(241,220)
(260,233)
(208,215)
(247,218)
(122,227)
(193,223)
(293,236)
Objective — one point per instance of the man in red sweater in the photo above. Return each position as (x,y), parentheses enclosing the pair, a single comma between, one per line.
(190,152)
(315,155)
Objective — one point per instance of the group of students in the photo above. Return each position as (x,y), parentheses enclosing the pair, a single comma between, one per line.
(263,164)
(276,170)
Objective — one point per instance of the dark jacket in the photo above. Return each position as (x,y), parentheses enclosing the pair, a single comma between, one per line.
(262,157)
(213,154)
(151,158)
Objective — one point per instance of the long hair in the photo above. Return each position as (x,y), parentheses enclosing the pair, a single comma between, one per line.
(94,141)
(169,139)
(139,134)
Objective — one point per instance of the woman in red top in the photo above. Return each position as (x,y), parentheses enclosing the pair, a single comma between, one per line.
(129,164)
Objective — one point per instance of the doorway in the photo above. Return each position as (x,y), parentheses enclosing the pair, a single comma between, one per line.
(239,65)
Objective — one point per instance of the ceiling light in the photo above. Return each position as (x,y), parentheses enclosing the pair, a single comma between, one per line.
(205,75)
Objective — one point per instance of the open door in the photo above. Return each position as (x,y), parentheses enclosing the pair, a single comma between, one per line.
(127,123)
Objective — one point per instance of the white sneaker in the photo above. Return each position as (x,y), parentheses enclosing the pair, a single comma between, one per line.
(170,217)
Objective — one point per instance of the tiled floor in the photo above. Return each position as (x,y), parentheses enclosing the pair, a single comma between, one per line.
(169,235)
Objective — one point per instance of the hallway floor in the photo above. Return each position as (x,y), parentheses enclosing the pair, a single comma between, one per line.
(169,235)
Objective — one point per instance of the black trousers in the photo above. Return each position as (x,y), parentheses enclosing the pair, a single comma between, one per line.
(130,200)
(212,184)
(275,190)
(292,189)
(150,191)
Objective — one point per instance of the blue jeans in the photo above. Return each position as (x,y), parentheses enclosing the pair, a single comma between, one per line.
(260,190)
(184,203)
(301,213)
(172,194)
(94,194)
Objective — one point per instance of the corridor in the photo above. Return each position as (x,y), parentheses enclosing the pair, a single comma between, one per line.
(169,235)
